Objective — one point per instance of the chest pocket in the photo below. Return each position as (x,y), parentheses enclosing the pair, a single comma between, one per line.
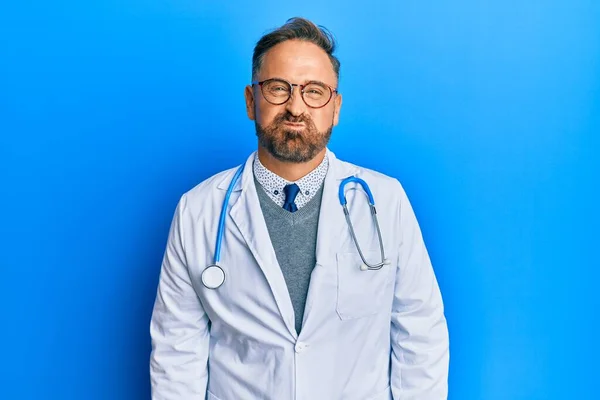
(361,293)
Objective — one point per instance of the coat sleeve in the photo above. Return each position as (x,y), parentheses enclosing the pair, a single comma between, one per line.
(179,328)
(419,333)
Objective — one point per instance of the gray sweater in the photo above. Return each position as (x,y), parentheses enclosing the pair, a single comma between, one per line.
(294,238)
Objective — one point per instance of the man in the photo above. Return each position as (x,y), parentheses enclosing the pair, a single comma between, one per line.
(292,311)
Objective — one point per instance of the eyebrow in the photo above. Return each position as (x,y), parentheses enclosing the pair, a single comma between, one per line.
(306,82)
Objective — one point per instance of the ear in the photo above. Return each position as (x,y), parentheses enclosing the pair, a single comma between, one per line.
(337,106)
(249,95)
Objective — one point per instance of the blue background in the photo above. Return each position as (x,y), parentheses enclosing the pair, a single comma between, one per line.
(487,111)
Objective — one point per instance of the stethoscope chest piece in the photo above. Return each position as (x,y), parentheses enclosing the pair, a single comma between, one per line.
(213,276)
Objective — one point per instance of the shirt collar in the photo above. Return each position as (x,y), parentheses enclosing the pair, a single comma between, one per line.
(274,184)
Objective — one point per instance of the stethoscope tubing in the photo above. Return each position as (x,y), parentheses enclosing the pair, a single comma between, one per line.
(221,230)
(366,265)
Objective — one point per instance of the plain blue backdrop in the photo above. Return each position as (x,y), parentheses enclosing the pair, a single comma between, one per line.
(487,111)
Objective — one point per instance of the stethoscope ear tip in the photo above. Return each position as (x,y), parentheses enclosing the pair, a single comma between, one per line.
(363,267)
(386,262)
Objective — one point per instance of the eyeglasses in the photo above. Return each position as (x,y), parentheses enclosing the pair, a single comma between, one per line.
(278,91)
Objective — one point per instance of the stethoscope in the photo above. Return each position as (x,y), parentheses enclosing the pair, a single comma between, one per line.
(213,275)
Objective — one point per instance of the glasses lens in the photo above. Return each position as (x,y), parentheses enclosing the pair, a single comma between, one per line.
(276,91)
(316,94)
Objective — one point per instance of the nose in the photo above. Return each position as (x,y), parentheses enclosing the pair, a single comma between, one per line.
(295,104)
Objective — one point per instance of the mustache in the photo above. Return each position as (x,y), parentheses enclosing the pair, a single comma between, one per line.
(287,117)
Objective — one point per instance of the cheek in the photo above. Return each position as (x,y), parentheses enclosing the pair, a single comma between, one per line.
(265,114)
(323,119)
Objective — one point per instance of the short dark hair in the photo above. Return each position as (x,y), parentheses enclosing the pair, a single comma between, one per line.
(298,29)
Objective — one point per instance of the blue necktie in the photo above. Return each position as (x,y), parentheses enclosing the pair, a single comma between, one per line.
(290,191)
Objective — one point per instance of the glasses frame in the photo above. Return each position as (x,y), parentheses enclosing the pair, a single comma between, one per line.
(292,85)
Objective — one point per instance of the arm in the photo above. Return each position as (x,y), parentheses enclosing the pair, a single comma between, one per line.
(179,328)
(419,334)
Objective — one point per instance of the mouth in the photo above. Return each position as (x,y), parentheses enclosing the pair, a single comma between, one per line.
(294,125)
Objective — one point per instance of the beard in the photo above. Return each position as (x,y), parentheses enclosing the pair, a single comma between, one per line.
(292,145)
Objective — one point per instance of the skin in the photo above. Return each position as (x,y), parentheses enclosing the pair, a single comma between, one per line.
(293,127)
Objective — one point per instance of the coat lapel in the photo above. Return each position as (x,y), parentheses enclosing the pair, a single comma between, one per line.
(332,234)
(332,229)
(248,217)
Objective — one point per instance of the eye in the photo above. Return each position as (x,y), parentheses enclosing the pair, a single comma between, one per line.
(315,91)
(277,88)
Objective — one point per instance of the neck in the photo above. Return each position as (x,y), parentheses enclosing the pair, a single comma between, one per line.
(288,170)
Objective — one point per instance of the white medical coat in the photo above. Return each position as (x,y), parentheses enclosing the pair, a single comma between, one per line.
(366,335)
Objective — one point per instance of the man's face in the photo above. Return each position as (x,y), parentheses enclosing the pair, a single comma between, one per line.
(293,131)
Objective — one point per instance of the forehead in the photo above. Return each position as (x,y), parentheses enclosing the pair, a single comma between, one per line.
(297,61)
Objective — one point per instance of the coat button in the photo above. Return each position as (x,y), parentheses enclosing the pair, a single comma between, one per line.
(300,347)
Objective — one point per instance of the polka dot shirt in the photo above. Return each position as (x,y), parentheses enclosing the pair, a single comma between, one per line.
(273,184)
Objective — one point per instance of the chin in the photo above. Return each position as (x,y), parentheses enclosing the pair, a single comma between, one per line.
(291,154)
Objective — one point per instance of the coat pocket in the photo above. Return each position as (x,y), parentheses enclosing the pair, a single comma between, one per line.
(360,293)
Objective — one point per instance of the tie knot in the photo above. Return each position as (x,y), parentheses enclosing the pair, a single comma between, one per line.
(290,191)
